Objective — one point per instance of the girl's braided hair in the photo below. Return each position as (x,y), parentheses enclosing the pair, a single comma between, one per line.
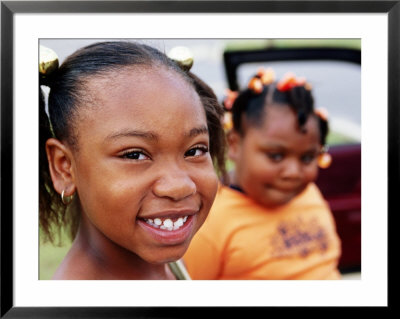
(263,91)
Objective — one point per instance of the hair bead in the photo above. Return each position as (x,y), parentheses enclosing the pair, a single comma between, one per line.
(256,85)
(48,61)
(290,81)
(322,113)
(182,56)
(324,160)
(267,76)
(230,97)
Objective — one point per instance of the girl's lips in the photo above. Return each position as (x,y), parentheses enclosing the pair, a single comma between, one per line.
(167,236)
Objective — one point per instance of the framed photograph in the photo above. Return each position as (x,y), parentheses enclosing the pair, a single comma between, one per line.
(205,25)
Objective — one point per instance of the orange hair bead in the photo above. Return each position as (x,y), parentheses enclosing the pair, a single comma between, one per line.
(256,85)
(230,97)
(267,76)
(290,81)
(322,113)
(324,160)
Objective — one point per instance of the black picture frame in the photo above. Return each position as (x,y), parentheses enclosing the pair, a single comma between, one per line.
(9,8)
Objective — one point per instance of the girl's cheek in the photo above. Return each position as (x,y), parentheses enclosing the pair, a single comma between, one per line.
(312,172)
(212,181)
(208,182)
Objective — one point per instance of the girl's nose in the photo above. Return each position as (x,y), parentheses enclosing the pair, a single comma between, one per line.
(175,184)
(292,169)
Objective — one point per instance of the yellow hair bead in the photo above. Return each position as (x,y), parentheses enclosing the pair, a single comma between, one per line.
(48,60)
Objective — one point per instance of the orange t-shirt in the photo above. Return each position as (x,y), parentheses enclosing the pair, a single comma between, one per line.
(242,240)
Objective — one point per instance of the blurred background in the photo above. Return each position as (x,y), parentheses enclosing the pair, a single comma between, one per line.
(336,86)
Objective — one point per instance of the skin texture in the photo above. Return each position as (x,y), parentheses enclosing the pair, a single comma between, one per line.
(142,153)
(276,161)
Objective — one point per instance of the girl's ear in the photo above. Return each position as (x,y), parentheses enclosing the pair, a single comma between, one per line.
(234,140)
(60,166)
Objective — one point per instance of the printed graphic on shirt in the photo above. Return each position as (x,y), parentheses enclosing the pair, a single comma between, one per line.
(299,237)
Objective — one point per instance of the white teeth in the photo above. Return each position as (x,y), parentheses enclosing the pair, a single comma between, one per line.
(179,222)
(167,224)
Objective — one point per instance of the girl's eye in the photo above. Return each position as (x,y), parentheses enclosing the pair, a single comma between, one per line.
(308,158)
(275,157)
(135,155)
(196,151)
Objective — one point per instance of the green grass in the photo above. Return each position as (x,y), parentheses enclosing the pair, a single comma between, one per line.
(51,255)
(49,258)
(335,138)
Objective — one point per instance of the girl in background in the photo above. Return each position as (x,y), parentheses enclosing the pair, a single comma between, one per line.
(271,222)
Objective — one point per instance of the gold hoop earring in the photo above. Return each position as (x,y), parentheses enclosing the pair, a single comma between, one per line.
(66,199)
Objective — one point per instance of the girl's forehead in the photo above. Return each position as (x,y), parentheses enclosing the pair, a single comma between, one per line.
(131,81)
(281,121)
(125,76)
(283,114)
(156,99)
(278,111)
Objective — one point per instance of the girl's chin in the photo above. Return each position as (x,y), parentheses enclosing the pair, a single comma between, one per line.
(166,257)
(275,201)
(274,197)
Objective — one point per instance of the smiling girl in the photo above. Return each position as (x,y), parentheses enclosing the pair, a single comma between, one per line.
(129,145)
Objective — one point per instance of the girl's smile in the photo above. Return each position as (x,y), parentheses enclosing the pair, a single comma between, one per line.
(170,230)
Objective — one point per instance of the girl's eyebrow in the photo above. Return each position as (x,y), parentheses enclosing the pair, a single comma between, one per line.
(133,133)
(153,136)
(198,131)
(273,145)
(281,147)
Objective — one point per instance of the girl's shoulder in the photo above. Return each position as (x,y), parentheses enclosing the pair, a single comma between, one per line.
(231,197)
(310,198)
(313,193)
(231,206)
